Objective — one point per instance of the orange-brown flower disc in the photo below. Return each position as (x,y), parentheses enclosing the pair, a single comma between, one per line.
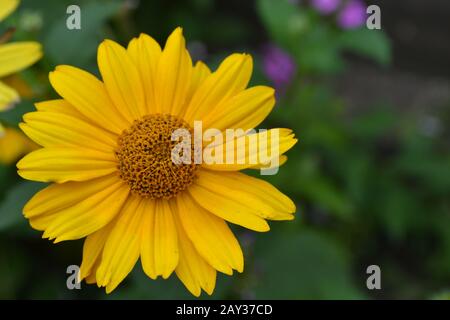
(144,154)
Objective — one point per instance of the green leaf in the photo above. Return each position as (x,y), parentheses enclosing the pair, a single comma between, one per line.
(399,210)
(283,20)
(306,265)
(374,124)
(318,50)
(372,44)
(325,194)
(304,33)
(79,46)
(11,207)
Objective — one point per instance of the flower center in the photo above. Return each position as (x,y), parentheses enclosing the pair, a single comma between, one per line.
(145,159)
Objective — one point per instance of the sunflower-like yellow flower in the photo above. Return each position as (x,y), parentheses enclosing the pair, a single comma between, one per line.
(107,149)
(14,57)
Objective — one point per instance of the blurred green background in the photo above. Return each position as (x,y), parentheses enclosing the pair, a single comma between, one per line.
(370,174)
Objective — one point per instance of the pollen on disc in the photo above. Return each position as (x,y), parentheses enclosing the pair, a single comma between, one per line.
(144,154)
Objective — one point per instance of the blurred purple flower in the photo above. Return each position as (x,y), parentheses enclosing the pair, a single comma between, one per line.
(352,15)
(278,66)
(326,6)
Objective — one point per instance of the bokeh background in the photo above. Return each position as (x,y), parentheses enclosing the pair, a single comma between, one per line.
(370,174)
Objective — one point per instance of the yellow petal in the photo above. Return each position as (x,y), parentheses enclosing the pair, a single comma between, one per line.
(8,97)
(230,78)
(173,75)
(199,74)
(245,111)
(122,247)
(281,160)
(61,106)
(91,278)
(145,53)
(159,247)
(228,206)
(251,150)
(57,197)
(85,217)
(41,222)
(93,248)
(7,7)
(17,56)
(51,129)
(88,95)
(122,79)
(62,164)
(193,271)
(211,236)
(267,201)
(13,145)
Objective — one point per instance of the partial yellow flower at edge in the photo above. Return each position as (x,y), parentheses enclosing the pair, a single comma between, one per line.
(7,7)
(13,145)
(14,57)
(20,85)
(8,97)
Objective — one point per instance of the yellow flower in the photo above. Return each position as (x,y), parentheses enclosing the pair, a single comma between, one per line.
(107,149)
(13,145)
(14,57)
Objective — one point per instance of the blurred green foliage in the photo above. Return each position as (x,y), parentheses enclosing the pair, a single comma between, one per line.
(315,43)
(371,188)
